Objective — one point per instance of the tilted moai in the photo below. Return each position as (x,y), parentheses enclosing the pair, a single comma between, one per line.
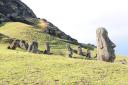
(47,48)
(23,44)
(105,47)
(33,47)
(69,51)
(14,43)
(80,50)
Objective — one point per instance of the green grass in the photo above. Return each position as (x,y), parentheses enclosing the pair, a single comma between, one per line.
(18,67)
(23,68)
(23,31)
(26,32)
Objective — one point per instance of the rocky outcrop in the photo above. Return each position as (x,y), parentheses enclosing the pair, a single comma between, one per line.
(17,11)
(14,10)
(55,31)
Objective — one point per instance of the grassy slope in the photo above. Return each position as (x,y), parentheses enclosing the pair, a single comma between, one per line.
(22,68)
(26,32)
(23,31)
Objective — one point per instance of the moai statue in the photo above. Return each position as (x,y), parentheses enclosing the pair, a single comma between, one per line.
(105,47)
(33,47)
(47,48)
(88,54)
(80,50)
(69,50)
(23,44)
(14,44)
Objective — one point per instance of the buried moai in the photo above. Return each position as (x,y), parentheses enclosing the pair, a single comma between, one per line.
(47,48)
(23,44)
(80,50)
(105,47)
(69,51)
(33,47)
(14,43)
(88,54)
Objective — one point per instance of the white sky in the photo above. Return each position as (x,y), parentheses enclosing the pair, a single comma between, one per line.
(80,18)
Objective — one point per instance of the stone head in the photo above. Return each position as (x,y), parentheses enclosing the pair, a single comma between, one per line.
(102,37)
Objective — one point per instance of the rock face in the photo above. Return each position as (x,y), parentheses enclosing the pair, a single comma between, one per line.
(105,47)
(17,11)
(55,31)
(14,10)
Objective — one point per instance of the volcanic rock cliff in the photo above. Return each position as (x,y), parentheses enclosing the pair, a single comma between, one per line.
(17,11)
(14,10)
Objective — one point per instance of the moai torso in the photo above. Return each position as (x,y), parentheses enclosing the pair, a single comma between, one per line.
(80,50)
(33,47)
(47,47)
(69,50)
(88,55)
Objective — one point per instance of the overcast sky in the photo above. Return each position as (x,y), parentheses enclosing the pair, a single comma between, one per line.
(80,18)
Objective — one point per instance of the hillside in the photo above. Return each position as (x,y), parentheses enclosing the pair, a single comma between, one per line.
(29,33)
(17,11)
(19,67)
(23,68)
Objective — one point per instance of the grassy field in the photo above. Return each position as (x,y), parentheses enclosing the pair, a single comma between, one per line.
(18,67)
(23,68)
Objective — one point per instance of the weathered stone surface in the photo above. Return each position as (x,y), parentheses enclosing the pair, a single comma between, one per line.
(33,47)
(14,43)
(55,31)
(14,10)
(23,44)
(17,11)
(105,47)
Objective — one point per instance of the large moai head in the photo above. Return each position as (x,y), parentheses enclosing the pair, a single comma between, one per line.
(105,47)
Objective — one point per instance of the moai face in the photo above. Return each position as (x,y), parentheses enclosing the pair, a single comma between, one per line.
(103,38)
